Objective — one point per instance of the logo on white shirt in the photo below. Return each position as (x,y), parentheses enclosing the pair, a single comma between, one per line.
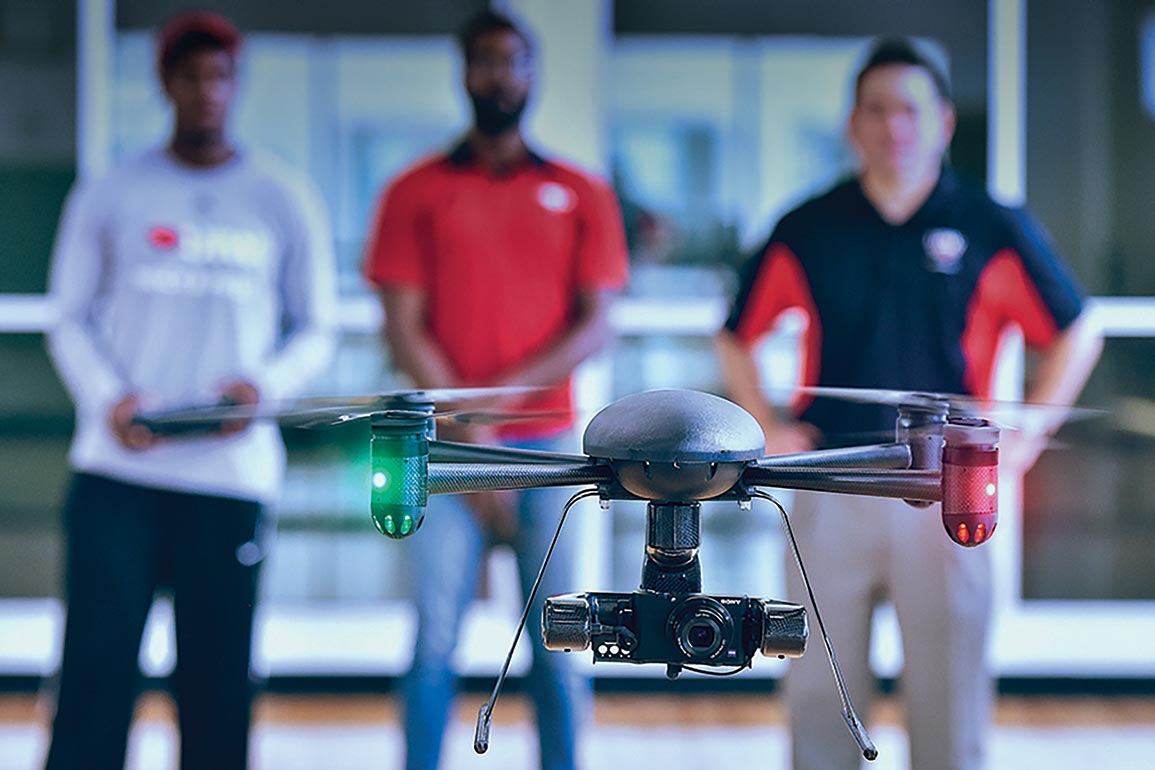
(243,247)
(206,260)
(162,237)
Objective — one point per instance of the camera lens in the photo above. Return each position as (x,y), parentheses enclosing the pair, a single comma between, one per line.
(701,635)
(701,627)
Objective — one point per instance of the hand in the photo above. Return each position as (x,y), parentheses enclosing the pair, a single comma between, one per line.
(130,435)
(1019,450)
(239,392)
(790,438)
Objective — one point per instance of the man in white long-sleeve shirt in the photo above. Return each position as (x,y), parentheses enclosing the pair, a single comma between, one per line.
(191,274)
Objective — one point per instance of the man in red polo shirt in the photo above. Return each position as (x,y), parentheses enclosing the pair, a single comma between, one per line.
(496,267)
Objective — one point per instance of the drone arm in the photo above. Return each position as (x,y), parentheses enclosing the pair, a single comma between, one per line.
(456,452)
(462,478)
(878,456)
(901,484)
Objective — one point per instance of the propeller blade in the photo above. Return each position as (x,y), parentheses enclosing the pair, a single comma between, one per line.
(335,410)
(339,416)
(1010,433)
(498,417)
(1136,416)
(1012,414)
(456,452)
(206,416)
(453,395)
(873,395)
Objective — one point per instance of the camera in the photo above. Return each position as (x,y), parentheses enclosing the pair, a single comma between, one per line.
(674,628)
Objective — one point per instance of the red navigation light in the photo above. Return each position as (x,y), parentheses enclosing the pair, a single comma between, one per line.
(970,480)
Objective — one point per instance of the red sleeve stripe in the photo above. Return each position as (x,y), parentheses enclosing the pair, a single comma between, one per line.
(1005,295)
(781,285)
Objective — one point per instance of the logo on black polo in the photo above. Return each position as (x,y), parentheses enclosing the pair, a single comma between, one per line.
(944,250)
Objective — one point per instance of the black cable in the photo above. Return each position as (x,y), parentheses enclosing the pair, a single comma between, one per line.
(708,672)
(848,714)
(485,713)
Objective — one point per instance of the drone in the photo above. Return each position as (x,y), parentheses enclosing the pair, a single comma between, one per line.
(673,449)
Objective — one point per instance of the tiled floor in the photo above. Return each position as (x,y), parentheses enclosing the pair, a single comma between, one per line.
(351,734)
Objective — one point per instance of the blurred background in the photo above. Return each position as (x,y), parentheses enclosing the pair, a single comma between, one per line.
(711,119)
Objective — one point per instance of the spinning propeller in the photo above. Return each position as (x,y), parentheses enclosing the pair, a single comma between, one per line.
(1011,415)
(335,410)
(401,424)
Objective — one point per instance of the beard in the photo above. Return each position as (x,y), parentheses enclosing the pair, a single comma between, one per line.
(199,136)
(491,118)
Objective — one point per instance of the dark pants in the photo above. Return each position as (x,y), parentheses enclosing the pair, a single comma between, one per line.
(123,543)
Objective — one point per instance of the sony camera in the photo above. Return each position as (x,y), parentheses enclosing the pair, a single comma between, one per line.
(675,629)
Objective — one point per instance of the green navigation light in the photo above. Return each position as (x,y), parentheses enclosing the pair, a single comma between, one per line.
(399,477)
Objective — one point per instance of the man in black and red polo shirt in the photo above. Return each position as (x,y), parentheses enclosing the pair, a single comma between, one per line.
(496,267)
(907,279)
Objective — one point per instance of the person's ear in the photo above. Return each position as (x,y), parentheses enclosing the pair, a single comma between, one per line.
(949,122)
(849,129)
(165,83)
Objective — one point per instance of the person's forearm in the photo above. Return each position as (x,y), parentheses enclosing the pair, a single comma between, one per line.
(308,296)
(418,355)
(742,381)
(92,381)
(87,368)
(302,359)
(558,361)
(1064,369)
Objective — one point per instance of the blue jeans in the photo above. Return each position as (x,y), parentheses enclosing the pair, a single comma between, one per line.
(446,557)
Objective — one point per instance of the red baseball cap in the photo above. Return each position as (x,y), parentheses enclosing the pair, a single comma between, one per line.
(205,27)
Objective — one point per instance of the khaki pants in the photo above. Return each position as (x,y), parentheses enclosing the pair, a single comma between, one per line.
(862,551)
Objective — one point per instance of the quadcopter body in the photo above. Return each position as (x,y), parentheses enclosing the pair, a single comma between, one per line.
(672,449)
(680,446)
(661,445)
